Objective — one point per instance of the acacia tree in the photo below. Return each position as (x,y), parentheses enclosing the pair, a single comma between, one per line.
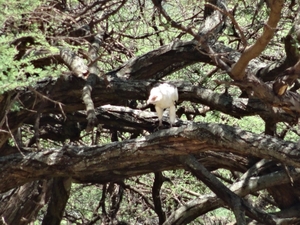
(73,70)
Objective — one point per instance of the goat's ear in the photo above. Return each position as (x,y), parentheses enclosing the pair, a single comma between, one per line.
(154,98)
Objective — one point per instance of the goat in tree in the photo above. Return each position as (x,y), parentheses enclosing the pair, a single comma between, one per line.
(164,96)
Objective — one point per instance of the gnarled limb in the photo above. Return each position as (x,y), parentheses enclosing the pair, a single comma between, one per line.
(60,192)
(238,70)
(74,62)
(141,155)
(231,199)
(283,81)
(91,83)
(158,181)
(249,184)
(29,198)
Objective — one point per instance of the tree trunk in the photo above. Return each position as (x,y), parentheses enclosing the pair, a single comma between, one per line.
(60,194)
(21,205)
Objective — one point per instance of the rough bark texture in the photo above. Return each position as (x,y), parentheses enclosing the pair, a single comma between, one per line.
(238,205)
(140,156)
(159,179)
(238,71)
(59,196)
(206,203)
(21,205)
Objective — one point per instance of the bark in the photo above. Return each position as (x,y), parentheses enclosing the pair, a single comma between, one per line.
(126,90)
(231,199)
(243,187)
(238,70)
(21,205)
(142,67)
(288,78)
(158,182)
(272,71)
(91,82)
(289,198)
(59,196)
(98,163)
(116,195)
(74,62)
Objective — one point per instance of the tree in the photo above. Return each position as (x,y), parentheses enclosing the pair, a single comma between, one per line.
(75,74)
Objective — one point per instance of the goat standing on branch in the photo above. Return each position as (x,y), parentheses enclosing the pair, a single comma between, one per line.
(164,96)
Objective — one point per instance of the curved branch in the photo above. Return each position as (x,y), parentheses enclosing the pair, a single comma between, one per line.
(91,82)
(140,156)
(29,198)
(238,70)
(121,89)
(158,182)
(204,204)
(68,89)
(74,62)
(59,196)
(237,205)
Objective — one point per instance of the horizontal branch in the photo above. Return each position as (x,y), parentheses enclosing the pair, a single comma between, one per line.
(68,89)
(156,152)
(68,92)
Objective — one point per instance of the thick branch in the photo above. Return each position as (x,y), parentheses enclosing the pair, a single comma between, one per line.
(231,199)
(140,156)
(161,62)
(238,70)
(21,205)
(68,90)
(60,194)
(204,204)
(158,182)
(74,62)
(127,90)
